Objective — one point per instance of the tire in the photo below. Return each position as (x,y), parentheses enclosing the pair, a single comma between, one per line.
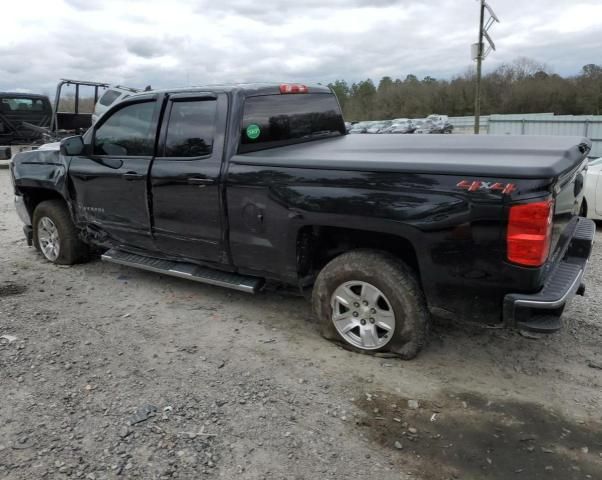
(403,296)
(52,219)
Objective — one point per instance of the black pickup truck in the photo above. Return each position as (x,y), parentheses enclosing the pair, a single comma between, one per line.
(22,115)
(246,185)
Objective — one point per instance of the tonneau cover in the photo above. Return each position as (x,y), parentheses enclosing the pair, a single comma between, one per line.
(484,155)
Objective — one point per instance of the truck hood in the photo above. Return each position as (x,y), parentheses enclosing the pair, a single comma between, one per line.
(50,146)
(484,155)
(48,154)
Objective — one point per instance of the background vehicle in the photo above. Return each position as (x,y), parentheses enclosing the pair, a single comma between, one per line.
(426,126)
(432,124)
(435,124)
(77,104)
(359,127)
(245,185)
(378,127)
(438,119)
(17,110)
(113,94)
(440,124)
(400,125)
(447,128)
(68,115)
(592,203)
(5,153)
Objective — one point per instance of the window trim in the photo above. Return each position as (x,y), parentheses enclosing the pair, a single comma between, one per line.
(185,97)
(115,108)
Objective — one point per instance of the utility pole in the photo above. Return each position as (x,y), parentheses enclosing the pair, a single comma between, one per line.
(477,99)
(479,54)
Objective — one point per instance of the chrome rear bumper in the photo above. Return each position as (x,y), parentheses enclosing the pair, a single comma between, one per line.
(541,311)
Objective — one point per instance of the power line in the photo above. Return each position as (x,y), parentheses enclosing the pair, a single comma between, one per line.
(479,54)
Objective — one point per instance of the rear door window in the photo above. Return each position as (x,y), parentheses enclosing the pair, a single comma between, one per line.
(191,128)
(277,120)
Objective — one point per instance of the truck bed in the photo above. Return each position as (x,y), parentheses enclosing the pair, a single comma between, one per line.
(471,155)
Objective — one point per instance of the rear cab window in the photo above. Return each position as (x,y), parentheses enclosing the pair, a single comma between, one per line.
(24,104)
(284,119)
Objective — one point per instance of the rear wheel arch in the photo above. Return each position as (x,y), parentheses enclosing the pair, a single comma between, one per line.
(318,245)
(395,292)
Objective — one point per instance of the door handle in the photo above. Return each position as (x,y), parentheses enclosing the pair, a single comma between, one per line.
(133,176)
(200,181)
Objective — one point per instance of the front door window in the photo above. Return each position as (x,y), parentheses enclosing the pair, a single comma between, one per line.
(127,132)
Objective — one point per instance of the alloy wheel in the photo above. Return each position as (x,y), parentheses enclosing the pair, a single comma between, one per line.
(48,239)
(362,315)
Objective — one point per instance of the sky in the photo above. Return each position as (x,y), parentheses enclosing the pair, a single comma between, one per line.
(194,42)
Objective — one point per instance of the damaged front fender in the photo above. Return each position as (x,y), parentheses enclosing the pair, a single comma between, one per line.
(38,175)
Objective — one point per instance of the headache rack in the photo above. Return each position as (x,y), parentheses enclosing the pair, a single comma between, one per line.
(75,120)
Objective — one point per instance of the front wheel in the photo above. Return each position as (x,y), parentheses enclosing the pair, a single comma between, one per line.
(372,302)
(55,235)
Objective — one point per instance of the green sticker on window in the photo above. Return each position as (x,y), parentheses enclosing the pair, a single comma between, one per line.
(253,131)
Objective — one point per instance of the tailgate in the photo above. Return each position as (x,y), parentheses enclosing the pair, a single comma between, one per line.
(568,196)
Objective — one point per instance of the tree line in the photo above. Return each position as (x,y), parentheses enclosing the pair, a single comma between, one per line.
(522,86)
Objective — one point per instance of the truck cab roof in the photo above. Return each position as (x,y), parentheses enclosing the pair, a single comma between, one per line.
(22,95)
(245,89)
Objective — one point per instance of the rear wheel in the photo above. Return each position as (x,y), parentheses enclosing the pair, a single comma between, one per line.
(372,302)
(55,235)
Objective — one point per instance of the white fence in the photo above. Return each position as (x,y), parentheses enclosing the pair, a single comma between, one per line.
(589,126)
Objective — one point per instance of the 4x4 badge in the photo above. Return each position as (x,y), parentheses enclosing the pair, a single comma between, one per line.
(476,185)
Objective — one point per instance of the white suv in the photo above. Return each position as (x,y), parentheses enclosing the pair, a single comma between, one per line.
(115,93)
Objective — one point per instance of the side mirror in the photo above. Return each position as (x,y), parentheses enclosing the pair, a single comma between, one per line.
(72,146)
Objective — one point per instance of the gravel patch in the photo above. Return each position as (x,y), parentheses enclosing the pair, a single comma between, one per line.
(110,372)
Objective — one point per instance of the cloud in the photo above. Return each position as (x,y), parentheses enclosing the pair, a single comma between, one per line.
(145,47)
(198,42)
(85,4)
(275,11)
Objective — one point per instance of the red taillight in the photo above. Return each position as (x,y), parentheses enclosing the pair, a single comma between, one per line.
(530,233)
(293,88)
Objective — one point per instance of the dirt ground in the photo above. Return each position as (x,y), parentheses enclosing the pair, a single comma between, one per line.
(110,372)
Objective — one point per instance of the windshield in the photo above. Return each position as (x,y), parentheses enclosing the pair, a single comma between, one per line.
(276,120)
